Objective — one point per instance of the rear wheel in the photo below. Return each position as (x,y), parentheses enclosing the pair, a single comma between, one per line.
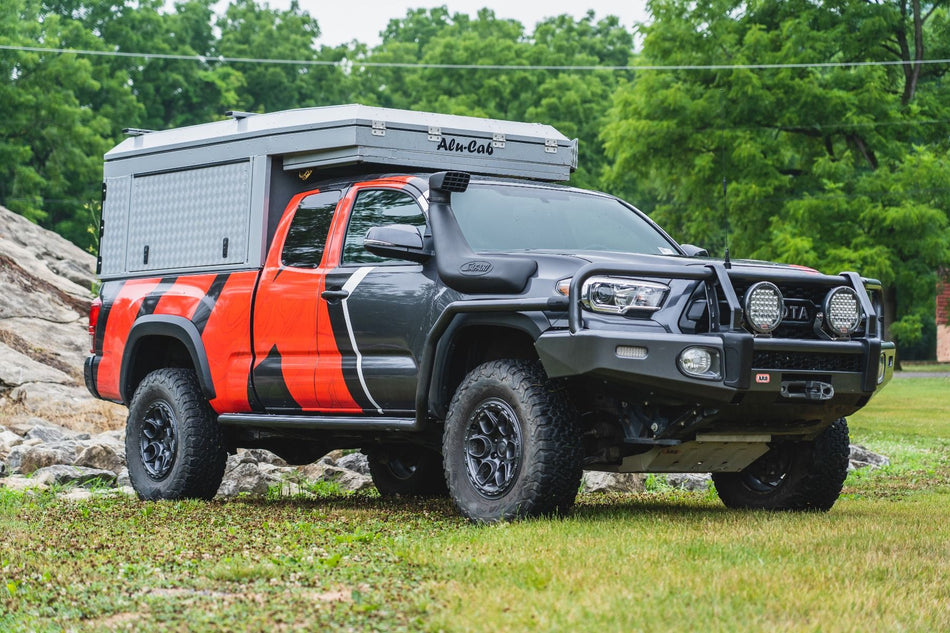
(792,475)
(409,471)
(511,446)
(173,443)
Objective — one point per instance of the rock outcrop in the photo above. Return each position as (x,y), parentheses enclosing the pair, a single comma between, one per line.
(46,285)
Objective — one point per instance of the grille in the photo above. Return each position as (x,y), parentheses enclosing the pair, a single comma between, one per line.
(806,361)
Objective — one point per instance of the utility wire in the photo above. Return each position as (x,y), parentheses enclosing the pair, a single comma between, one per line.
(424,65)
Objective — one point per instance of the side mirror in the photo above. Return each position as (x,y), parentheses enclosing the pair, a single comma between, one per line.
(694,251)
(397,241)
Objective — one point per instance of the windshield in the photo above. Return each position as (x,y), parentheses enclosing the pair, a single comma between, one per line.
(501,217)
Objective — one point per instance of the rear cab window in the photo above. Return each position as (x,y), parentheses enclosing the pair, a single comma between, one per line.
(307,235)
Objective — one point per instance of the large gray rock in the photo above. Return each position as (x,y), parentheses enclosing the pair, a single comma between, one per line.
(357,462)
(47,434)
(251,472)
(596,481)
(30,455)
(46,288)
(861,457)
(21,483)
(3,469)
(8,439)
(62,475)
(23,426)
(261,456)
(693,482)
(346,479)
(245,478)
(51,263)
(101,456)
(18,369)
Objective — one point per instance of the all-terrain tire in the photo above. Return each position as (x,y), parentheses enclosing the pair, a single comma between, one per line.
(512,448)
(792,476)
(407,471)
(173,443)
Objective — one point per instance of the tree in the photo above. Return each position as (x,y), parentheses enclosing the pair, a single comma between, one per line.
(808,164)
(573,101)
(57,116)
(255,31)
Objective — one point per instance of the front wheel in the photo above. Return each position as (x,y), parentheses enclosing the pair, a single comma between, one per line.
(511,447)
(792,475)
(173,443)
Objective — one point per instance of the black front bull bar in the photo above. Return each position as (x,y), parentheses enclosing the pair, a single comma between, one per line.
(738,345)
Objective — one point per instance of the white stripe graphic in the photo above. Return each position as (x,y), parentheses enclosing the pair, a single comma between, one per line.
(349,287)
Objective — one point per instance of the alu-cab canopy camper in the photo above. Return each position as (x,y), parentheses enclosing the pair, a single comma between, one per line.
(208,197)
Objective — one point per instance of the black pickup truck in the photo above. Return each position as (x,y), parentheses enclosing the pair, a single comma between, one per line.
(491,338)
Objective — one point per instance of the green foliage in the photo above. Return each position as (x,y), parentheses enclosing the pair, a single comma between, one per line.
(837,168)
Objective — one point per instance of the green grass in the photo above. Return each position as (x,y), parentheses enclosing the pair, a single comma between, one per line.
(923,366)
(659,561)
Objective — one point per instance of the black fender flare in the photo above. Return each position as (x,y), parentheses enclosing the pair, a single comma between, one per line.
(532,325)
(175,327)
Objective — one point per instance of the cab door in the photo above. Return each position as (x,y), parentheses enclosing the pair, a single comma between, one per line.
(381,309)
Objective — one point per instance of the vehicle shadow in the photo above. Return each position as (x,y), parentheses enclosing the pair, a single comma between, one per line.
(609,506)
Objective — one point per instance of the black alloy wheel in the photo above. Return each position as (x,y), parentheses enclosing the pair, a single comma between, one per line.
(493,449)
(157,442)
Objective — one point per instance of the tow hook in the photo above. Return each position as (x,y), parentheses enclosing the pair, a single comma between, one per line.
(814,390)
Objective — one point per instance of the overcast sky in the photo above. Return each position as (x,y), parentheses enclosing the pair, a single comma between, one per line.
(362,20)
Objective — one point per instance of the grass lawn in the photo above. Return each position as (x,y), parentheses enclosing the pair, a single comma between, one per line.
(879,561)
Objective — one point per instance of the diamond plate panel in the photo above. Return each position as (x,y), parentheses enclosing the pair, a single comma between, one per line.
(183,218)
(115,214)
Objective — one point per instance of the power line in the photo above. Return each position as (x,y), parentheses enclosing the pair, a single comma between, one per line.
(424,65)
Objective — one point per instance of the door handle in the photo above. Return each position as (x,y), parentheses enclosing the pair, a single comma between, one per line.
(335,295)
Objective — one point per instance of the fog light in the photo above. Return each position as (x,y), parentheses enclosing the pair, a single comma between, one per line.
(763,304)
(882,368)
(842,311)
(700,362)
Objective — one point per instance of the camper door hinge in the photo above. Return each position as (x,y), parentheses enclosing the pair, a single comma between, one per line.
(435,134)
(498,141)
(379,128)
(550,145)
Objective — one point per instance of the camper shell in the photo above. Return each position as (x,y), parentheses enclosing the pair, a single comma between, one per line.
(209,196)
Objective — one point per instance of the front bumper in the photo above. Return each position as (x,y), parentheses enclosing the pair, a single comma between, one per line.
(594,353)
(779,380)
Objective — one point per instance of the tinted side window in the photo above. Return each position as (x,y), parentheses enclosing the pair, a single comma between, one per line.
(307,235)
(378,207)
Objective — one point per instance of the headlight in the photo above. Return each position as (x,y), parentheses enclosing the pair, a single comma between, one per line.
(763,307)
(618,295)
(842,311)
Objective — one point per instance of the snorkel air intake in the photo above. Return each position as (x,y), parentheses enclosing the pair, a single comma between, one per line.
(459,267)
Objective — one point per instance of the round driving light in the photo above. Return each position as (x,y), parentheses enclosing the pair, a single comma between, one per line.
(696,361)
(763,307)
(842,311)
